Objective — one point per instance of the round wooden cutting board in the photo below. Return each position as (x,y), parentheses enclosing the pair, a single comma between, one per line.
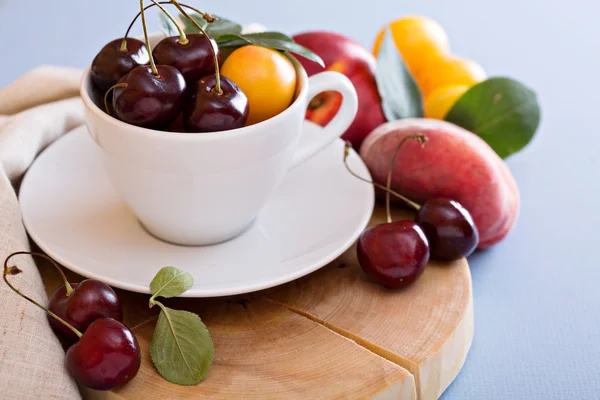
(331,335)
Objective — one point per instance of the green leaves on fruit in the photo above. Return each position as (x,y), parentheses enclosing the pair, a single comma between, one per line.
(229,34)
(400,95)
(170,282)
(502,111)
(181,348)
(272,40)
(166,25)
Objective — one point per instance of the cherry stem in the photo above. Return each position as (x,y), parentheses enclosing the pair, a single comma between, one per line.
(58,268)
(210,42)
(14,271)
(116,85)
(183,40)
(208,17)
(147,40)
(347,149)
(419,138)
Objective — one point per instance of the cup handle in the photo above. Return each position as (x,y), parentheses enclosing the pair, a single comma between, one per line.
(322,82)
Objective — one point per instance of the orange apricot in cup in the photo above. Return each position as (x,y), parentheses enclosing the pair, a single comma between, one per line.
(266,76)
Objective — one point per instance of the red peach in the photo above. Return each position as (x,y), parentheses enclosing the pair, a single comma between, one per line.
(344,55)
(454,163)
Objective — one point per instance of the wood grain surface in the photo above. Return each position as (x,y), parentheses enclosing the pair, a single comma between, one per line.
(331,335)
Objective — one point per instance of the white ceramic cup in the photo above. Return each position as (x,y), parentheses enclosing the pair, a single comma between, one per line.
(199,189)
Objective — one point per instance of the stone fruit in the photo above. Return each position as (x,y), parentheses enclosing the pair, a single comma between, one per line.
(440,101)
(150,100)
(454,164)
(449,227)
(208,111)
(87,301)
(420,40)
(115,60)
(449,71)
(106,356)
(266,76)
(342,54)
(393,254)
(193,59)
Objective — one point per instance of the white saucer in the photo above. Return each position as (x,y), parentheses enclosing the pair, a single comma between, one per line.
(72,212)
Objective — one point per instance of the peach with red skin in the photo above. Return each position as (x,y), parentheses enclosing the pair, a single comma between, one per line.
(344,55)
(455,164)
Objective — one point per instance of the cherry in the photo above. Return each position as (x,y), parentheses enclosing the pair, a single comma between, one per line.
(106,356)
(193,58)
(206,110)
(148,99)
(148,96)
(449,227)
(80,304)
(215,102)
(115,60)
(393,254)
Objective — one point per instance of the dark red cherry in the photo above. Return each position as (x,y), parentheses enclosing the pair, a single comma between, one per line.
(393,254)
(106,356)
(112,63)
(208,111)
(89,301)
(449,227)
(150,101)
(193,59)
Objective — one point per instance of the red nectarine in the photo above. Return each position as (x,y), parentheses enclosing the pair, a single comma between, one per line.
(455,164)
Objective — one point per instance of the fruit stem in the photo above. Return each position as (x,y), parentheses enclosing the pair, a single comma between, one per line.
(208,17)
(147,40)
(116,85)
(419,138)
(347,149)
(156,303)
(210,42)
(58,268)
(14,271)
(183,40)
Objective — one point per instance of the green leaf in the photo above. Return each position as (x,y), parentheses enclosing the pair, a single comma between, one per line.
(502,111)
(272,40)
(220,27)
(223,26)
(181,348)
(167,26)
(189,27)
(400,96)
(170,282)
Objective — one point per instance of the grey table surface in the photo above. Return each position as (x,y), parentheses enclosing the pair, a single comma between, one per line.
(537,302)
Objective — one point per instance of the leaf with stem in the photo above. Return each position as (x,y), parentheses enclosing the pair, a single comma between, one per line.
(181,349)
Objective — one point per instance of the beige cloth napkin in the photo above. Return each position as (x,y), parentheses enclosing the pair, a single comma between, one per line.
(34,111)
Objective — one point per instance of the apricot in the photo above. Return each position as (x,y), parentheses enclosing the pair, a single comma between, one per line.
(449,71)
(419,39)
(266,76)
(455,164)
(440,101)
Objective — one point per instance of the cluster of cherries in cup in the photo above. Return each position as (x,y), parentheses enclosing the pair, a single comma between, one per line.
(394,254)
(178,79)
(103,353)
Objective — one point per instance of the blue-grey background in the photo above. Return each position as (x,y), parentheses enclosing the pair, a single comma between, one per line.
(537,299)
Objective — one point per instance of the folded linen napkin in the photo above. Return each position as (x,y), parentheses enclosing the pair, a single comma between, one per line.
(35,110)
